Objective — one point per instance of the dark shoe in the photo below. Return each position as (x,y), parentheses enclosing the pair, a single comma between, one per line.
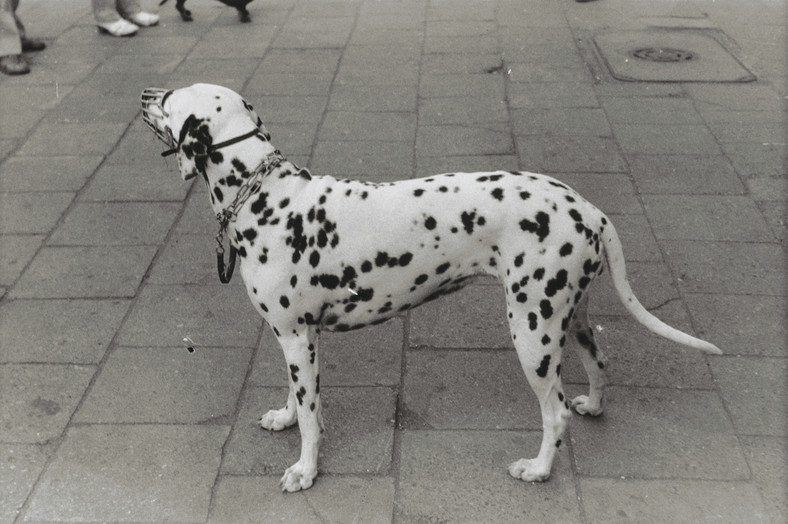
(30,45)
(14,65)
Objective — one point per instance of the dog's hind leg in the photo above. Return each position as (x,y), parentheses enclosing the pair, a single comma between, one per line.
(303,404)
(539,342)
(593,362)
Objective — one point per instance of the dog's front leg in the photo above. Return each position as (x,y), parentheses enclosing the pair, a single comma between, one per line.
(301,356)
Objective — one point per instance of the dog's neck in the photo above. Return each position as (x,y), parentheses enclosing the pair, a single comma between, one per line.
(241,165)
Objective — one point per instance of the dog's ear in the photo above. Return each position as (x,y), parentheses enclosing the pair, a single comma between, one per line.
(194,141)
(257,120)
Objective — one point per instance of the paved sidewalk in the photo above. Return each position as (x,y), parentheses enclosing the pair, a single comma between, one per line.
(107,263)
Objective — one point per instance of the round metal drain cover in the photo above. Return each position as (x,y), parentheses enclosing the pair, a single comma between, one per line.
(662,54)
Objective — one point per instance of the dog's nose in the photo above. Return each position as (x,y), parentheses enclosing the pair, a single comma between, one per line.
(152,100)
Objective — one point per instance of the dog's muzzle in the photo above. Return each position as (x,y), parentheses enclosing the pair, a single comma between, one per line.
(152,100)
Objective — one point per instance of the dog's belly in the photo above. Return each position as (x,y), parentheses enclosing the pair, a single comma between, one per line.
(355,308)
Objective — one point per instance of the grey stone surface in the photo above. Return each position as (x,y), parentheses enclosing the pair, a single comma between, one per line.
(59,331)
(166,385)
(148,473)
(627,500)
(332,499)
(696,438)
(113,224)
(56,173)
(461,476)
(20,465)
(40,400)
(213,316)
(467,390)
(17,252)
(25,213)
(750,389)
(473,317)
(81,272)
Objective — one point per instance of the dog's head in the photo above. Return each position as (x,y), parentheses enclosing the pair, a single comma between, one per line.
(197,121)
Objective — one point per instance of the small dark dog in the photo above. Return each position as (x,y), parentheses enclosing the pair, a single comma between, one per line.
(240,5)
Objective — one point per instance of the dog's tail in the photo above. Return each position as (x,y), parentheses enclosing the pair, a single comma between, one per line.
(615,262)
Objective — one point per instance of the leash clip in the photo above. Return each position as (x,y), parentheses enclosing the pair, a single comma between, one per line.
(225,271)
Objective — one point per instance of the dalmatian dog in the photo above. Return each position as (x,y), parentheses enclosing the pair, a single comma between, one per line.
(320,253)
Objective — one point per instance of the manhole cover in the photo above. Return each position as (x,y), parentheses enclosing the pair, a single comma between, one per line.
(670,55)
(662,54)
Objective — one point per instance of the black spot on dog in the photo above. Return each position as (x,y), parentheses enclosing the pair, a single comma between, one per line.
(430,223)
(421,279)
(525,195)
(366,266)
(467,221)
(518,260)
(348,274)
(314,259)
(566,249)
(556,284)
(442,268)
(587,342)
(250,234)
(381,259)
(543,366)
(294,372)
(328,281)
(545,340)
(418,192)
(218,194)
(497,193)
(590,266)
(532,321)
(546,309)
(541,227)
(260,204)
(283,300)
(539,273)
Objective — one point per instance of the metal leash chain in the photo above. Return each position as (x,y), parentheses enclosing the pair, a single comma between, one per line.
(230,214)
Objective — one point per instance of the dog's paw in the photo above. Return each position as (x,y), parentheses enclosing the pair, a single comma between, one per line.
(528,470)
(583,405)
(278,419)
(297,477)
